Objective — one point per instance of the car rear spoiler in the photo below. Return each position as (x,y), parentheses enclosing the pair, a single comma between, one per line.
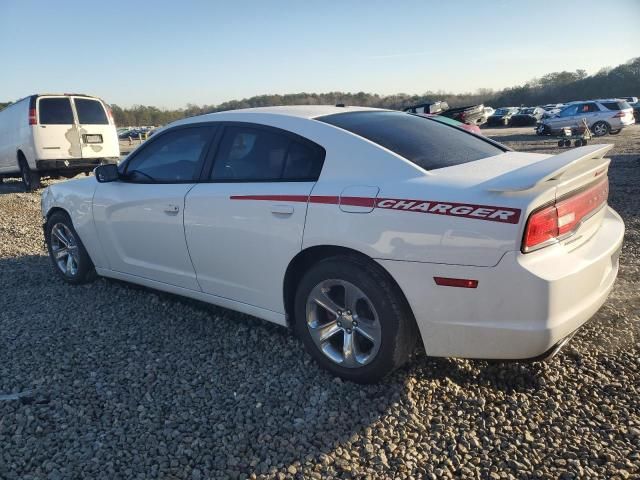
(552,168)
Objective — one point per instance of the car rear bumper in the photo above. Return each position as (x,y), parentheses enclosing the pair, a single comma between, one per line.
(523,307)
(79,164)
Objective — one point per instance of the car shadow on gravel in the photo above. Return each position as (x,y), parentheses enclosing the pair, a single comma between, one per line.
(178,370)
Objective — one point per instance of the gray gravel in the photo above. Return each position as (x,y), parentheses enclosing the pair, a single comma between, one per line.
(114,381)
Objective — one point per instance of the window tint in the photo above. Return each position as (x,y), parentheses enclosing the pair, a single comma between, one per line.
(171,157)
(255,154)
(569,111)
(427,143)
(90,112)
(616,105)
(303,162)
(55,111)
(588,108)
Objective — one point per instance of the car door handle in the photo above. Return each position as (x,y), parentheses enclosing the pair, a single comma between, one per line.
(282,209)
(171,209)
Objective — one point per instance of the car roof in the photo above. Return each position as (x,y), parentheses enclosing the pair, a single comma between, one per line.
(298,111)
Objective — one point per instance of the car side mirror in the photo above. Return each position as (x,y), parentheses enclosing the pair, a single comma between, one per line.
(107,173)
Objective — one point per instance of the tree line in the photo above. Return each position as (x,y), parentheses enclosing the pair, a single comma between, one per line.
(557,87)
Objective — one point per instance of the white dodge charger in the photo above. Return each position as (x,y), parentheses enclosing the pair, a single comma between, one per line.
(359,228)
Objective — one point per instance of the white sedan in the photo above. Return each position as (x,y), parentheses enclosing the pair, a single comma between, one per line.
(363,230)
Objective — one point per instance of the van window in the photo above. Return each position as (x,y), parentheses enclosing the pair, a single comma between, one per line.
(55,111)
(90,112)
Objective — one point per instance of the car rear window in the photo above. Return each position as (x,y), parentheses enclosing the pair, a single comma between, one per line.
(55,111)
(616,105)
(90,112)
(424,142)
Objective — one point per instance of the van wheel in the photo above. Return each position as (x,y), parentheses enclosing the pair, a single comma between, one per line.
(30,178)
(600,128)
(353,320)
(67,253)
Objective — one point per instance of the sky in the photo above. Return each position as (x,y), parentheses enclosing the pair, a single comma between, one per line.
(170,53)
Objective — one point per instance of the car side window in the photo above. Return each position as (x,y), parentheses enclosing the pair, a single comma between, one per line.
(588,108)
(569,111)
(248,154)
(173,157)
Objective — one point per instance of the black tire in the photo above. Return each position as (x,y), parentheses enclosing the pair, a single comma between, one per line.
(85,271)
(30,179)
(614,132)
(398,331)
(561,143)
(600,129)
(567,143)
(577,143)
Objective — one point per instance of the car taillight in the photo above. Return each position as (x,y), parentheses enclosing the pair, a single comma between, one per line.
(33,119)
(109,113)
(557,221)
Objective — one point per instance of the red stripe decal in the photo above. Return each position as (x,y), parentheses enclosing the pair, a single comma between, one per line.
(477,212)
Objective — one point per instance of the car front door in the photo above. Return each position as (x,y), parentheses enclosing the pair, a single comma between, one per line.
(244,222)
(139,218)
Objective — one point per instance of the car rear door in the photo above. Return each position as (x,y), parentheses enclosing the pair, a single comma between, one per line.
(98,137)
(139,219)
(244,221)
(56,135)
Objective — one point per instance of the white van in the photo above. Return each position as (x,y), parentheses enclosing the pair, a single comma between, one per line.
(55,135)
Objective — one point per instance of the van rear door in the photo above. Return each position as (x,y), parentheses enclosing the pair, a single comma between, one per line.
(56,135)
(98,137)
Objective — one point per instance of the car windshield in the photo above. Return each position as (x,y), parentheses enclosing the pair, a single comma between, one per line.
(502,111)
(527,111)
(428,144)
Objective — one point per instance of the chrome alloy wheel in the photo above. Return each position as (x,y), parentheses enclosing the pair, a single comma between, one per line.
(64,249)
(600,129)
(343,323)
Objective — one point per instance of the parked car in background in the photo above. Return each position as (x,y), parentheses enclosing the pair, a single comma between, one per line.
(552,109)
(488,111)
(527,116)
(454,123)
(55,135)
(636,111)
(363,230)
(501,117)
(630,99)
(471,114)
(606,116)
(432,108)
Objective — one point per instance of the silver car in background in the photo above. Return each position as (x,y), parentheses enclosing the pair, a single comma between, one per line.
(602,117)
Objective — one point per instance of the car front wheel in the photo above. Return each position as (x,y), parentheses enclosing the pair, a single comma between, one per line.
(353,320)
(67,253)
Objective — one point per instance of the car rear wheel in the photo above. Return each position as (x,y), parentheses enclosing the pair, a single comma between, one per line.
(600,128)
(67,253)
(30,179)
(353,320)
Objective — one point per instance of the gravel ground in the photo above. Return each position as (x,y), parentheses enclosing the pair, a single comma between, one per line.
(114,381)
